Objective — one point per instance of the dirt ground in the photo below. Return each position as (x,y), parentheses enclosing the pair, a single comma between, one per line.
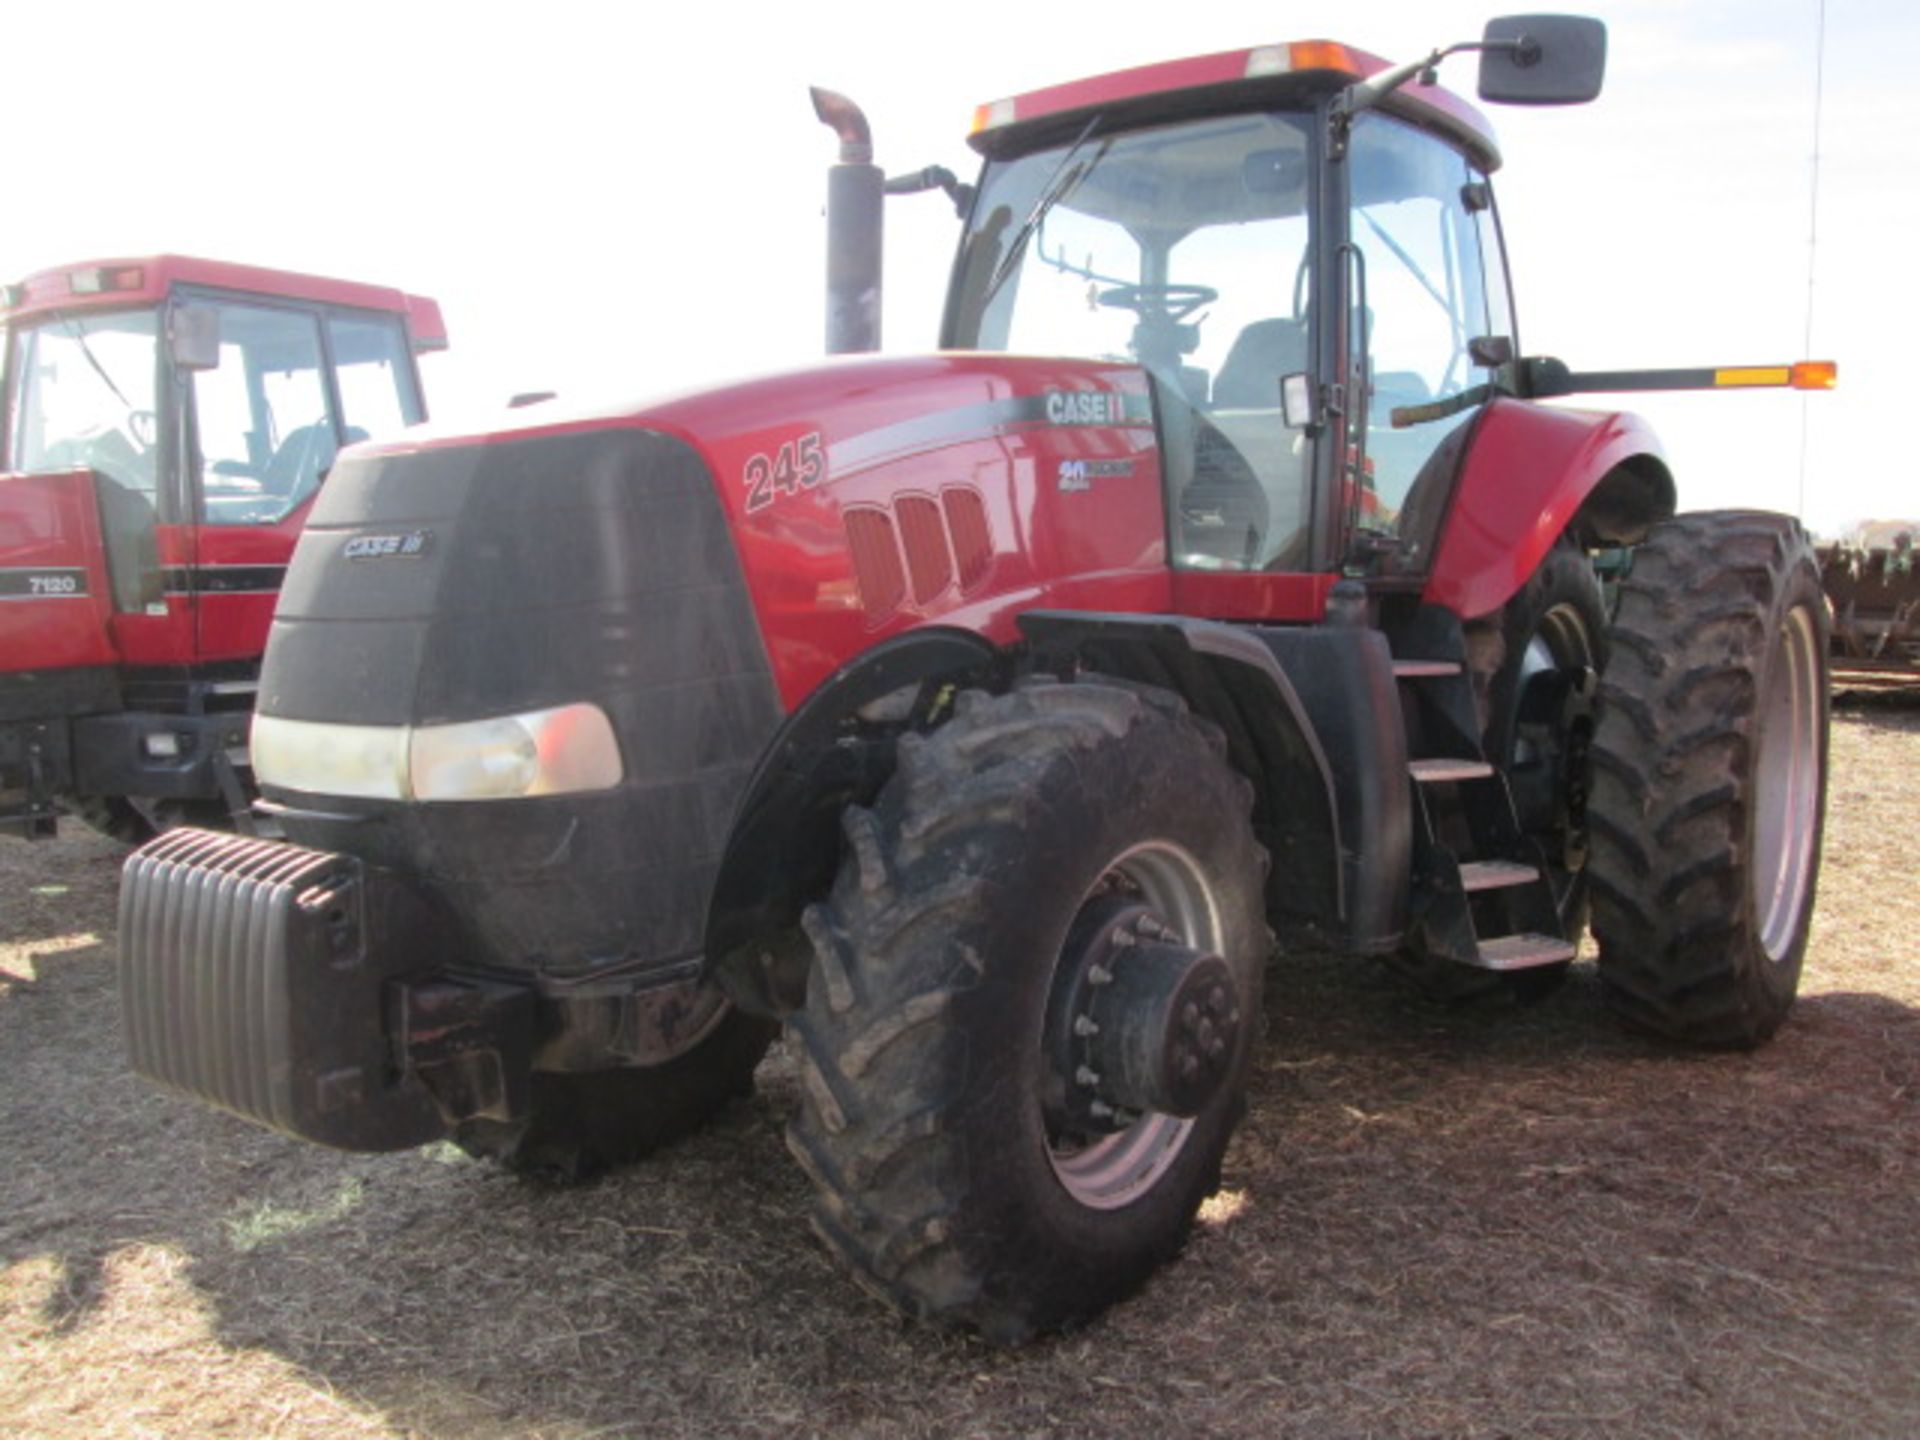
(1479,1222)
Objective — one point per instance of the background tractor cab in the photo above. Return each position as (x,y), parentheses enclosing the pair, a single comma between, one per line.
(165,423)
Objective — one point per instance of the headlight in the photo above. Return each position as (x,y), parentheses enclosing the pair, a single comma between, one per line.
(365,761)
(550,752)
(562,751)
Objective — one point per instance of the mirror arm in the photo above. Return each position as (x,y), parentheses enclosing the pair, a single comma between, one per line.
(1365,94)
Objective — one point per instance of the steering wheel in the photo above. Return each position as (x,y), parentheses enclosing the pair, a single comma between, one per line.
(1174,302)
(144,427)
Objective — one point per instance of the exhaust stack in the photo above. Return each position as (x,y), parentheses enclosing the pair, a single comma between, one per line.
(855,195)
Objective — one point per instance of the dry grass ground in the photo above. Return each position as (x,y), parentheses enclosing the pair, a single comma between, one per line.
(1459,1223)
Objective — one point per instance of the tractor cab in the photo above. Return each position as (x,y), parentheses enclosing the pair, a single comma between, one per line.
(1296,435)
(164,426)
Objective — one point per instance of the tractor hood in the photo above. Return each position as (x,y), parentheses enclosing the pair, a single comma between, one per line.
(860,496)
(691,570)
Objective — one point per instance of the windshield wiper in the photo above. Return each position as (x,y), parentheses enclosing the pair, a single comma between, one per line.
(1059,184)
(79,333)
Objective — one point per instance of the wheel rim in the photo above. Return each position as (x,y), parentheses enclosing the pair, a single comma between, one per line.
(1786,785)
(1561,643)
(1107,1172)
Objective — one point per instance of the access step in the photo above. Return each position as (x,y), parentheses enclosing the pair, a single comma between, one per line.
(1523,952)
(1436,772)
(1479,875)
(1424,669)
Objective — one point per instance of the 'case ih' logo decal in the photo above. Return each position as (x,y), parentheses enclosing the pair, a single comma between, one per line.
(1085,407)
(35,582)
(405,546)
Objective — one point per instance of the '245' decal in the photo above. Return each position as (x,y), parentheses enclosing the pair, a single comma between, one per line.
(797,465)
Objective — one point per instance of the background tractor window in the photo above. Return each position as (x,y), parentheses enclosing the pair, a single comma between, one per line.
(84,398)
(264,430)
(374,375)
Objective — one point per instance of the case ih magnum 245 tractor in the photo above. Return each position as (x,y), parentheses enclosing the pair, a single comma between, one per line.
(166,424)
(985,717)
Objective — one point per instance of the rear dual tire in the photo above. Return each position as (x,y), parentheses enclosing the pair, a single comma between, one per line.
(1710,778)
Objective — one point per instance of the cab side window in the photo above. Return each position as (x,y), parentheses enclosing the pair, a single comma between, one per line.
(1425,282)
(263,429)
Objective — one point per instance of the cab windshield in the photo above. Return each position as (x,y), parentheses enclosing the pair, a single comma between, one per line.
(83,398)
(1184,249)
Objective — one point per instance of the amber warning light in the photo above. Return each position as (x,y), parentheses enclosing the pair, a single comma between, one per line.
(1801,375)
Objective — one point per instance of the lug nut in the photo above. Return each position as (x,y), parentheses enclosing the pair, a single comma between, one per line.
(1086,1076)
(1218,1000)
(1216,1047)
(1099,975)
(1121,939)
(1100,1110)
(1190,1015)
(1083,1025)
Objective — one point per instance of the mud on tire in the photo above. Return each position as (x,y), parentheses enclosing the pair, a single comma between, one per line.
(1710,771)
(923,1063)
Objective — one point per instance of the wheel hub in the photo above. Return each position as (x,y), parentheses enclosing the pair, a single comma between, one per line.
(1139,1021)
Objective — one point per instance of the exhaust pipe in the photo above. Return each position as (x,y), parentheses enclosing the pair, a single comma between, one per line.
(855,196)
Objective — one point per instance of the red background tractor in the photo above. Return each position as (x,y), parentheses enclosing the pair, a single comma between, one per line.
(166,423)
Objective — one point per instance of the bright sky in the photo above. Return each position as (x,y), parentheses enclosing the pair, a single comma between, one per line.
(624,200)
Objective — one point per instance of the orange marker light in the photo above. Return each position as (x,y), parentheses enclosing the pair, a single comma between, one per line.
(992,117)
(1815,374)
(1323,55)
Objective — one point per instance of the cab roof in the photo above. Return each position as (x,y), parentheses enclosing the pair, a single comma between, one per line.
(1229,80)
(147,280)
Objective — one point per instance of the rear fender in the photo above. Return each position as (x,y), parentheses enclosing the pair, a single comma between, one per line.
(1533,472)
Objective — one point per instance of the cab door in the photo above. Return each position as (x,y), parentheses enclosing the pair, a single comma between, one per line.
(1420,290)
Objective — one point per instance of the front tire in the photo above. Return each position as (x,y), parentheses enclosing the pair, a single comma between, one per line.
(969,1164)
(1710,767)
(113,817)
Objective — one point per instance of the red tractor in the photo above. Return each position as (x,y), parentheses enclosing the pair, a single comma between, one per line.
(167,422)
(986,717)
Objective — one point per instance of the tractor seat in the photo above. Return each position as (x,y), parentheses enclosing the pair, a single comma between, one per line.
(302,461)
(1249,377)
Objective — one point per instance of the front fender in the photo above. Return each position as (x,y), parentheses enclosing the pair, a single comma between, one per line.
(1529,474)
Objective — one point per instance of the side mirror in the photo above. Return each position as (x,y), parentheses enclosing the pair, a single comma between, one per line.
(193,337)
(1542,59)
(1490,352)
